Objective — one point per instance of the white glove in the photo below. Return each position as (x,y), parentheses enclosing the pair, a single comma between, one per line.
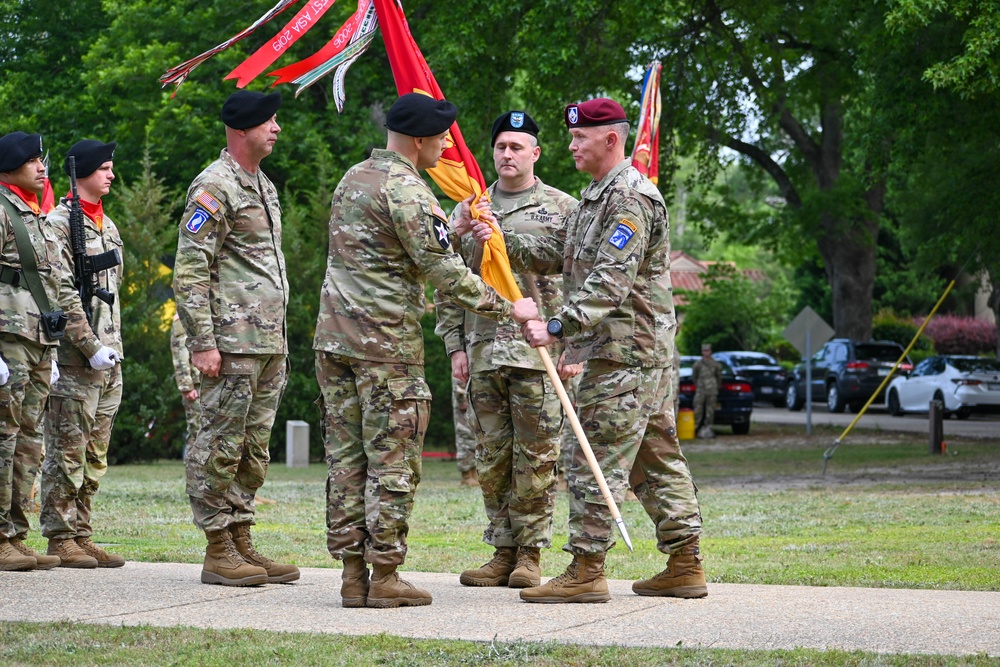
(55,373)
(104,359)
(4,372)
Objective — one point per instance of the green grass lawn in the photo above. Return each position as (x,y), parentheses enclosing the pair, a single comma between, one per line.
(887,514)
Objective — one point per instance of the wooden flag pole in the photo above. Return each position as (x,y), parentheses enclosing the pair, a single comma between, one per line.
(574,421)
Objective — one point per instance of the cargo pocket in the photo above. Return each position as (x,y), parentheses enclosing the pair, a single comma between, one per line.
(608,406)
(410,410)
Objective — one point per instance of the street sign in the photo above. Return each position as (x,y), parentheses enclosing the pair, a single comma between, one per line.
(807,332)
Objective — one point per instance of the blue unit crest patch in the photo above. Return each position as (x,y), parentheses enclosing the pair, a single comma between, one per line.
(196,220)
(516,119)
(622,234)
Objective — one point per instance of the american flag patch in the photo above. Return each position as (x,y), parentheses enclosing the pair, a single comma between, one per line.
(208,201)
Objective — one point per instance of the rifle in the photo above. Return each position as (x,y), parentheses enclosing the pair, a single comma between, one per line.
(86,267)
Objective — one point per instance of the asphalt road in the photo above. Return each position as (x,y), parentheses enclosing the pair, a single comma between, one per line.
(976,426)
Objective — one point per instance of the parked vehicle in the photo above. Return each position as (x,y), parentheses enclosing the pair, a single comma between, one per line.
(845,373)
(768,379)
(962,384)
(735,402)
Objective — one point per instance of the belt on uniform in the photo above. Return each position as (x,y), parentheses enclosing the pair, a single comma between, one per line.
(10,275)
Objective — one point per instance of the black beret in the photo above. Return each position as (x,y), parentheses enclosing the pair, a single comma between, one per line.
(418,115)
(17,148)
(514,121)
(245,109)
(90,154)
(600,111)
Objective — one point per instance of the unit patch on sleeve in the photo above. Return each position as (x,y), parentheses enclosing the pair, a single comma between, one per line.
(623,234)
(197,219)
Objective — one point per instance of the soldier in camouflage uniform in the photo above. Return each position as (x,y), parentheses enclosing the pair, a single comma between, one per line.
(618,317)
(232,294)
(187,379)
(465,439)
(388,237)
(26,369)
(84,401)
(707,377)
(517,416)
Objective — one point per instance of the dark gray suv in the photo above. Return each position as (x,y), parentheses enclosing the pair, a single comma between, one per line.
(845,373)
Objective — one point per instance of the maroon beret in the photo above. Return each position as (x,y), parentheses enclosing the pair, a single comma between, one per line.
(600,111)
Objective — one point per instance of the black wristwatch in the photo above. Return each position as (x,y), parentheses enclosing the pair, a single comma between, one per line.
(555,328)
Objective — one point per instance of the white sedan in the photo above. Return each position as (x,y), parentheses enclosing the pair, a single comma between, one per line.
(961,383)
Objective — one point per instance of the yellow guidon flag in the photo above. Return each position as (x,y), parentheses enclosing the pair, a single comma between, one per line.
(495,267)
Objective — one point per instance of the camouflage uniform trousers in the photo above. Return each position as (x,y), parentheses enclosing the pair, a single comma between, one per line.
(22,400)
(375,417)
(228,461)
(517,418)
(465,439)
(568,442)
(704,405)
(627,414)
(81,413)
(192,413)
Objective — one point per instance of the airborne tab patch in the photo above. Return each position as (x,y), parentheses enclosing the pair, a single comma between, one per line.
(623,234)
(197,219)
(208,201)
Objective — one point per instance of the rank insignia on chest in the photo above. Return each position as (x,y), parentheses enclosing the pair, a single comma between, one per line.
(208,201)
(623,234)
(197,219)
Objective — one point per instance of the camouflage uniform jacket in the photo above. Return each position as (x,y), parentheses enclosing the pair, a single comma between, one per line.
(388,236)
(82,339)
(229,276)
(618,302)
(706,375)
(19,314)
(540,210)
(185,375)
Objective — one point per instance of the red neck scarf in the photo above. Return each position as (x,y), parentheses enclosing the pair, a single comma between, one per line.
(93,211)
(29,198)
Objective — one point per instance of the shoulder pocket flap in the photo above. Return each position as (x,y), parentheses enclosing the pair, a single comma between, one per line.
(403,389)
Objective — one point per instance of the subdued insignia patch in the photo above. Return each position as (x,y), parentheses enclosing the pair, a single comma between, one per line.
(206,199)
(623,234)
(438,212)
(441,232)
(197,219)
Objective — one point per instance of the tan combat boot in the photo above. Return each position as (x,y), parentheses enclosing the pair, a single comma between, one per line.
(583,581)
(277,573)
(104,559)
(496,572)
(70,554)
(354,582)
(224,565)
(41,562)
(683,578)
(470,478)
(388,590)
(12,560)
(528,571)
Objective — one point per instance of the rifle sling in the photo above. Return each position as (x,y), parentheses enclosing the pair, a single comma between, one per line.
(26,253)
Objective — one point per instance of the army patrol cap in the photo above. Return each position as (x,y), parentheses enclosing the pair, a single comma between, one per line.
(600,111)
(17,148)
(245,109)
(418,115)
(513,121)
(90,154)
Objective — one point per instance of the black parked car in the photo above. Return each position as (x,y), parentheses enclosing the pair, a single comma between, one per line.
(768,378)
(845,373)
(735,402)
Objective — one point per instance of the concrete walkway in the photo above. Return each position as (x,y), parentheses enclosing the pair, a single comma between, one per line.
(732,616)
